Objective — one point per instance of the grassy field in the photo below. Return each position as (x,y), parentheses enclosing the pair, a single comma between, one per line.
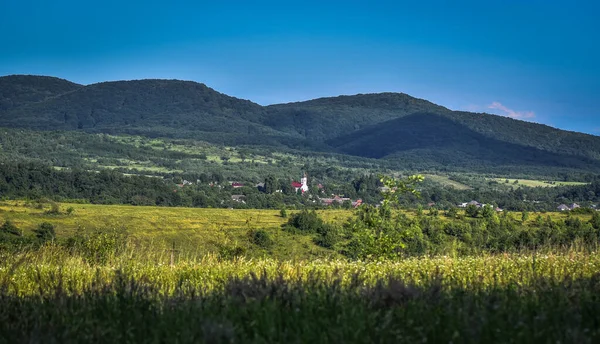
(446,181)
(51,296)
(193,230)
(515,183)
(294,292)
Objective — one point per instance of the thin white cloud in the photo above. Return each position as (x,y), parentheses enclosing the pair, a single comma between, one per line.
(511,113)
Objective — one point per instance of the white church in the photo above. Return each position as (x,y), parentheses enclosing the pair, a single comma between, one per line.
(303,185)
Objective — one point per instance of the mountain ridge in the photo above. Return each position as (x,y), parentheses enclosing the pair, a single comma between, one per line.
(188,109)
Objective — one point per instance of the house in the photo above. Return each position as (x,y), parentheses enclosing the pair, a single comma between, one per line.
(237,185)
(574,206)
(475,203)
(239,198)
(563,207)
(499,209)
(357,203)
(340,200)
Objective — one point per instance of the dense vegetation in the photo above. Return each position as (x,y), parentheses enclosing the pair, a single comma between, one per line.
(171,108)
(53,296)
(406,266)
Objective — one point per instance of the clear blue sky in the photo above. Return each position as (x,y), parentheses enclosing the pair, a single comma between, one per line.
(534,60)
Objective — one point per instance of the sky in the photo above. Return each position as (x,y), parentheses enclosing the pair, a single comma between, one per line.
(531,60)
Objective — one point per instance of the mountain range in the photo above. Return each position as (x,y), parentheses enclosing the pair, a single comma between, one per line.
(392,126)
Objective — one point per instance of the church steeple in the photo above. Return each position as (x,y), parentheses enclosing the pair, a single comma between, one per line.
(304,182)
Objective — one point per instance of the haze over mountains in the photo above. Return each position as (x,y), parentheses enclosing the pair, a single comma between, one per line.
(381,126)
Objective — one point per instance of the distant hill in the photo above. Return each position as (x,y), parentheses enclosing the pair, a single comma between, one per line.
(392,126)
(19,90)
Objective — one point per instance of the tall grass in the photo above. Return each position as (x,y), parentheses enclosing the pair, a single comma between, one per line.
(55,296)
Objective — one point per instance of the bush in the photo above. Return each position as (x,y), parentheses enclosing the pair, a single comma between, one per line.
(45,232)
(261,238)
(304,222)
(9,228)
(283,213)
(54,209)
(327,236)
(99,246)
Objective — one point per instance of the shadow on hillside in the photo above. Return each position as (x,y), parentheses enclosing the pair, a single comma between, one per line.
(434,137)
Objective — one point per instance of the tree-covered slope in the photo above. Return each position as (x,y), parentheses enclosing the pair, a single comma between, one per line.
(439,139)
(368,125)
(327,118)
(19,90)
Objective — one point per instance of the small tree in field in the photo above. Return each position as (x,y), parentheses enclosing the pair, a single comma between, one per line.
(10,228)
(45,232)
(472,211)
(374,230)
(524,216)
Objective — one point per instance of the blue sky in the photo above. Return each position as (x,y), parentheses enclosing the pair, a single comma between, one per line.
(532,60)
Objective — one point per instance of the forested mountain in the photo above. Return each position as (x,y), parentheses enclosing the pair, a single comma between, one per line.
(19,90)
(392,126)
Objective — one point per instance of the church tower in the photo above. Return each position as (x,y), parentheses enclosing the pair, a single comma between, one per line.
(304,182)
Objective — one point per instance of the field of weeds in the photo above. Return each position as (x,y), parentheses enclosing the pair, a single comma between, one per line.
(51,296)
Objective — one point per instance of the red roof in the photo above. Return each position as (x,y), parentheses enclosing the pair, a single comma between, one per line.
(296,184)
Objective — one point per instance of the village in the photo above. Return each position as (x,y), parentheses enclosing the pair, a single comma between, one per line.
(301,187)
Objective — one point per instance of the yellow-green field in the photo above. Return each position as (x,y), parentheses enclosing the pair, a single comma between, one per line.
(535,183)
(194,230)
(445,181)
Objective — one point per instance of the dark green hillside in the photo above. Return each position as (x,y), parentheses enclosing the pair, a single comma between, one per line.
(357,125)
(326,118)
(439,139)
(150,107)
(535,135)
(18,90)
(329,118)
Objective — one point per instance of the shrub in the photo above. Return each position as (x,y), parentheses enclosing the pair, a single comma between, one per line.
(452,212)
(305,222)
(261,238)
(99,246)
(45,232)
(327,236)
(54,209)
(10,228)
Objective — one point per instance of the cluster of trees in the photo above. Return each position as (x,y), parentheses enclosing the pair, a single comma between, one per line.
(35,180)
(385,233)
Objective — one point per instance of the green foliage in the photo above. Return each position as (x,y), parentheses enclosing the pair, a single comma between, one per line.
(452,212)
(595,221)
(283,213)
(524,216)
(407,130)
(484,299)
(54,209)
(45,232)
(488,211)
(10,228)
(472,211)
(304,222)
(261,238)
(327,236)
(99,246)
